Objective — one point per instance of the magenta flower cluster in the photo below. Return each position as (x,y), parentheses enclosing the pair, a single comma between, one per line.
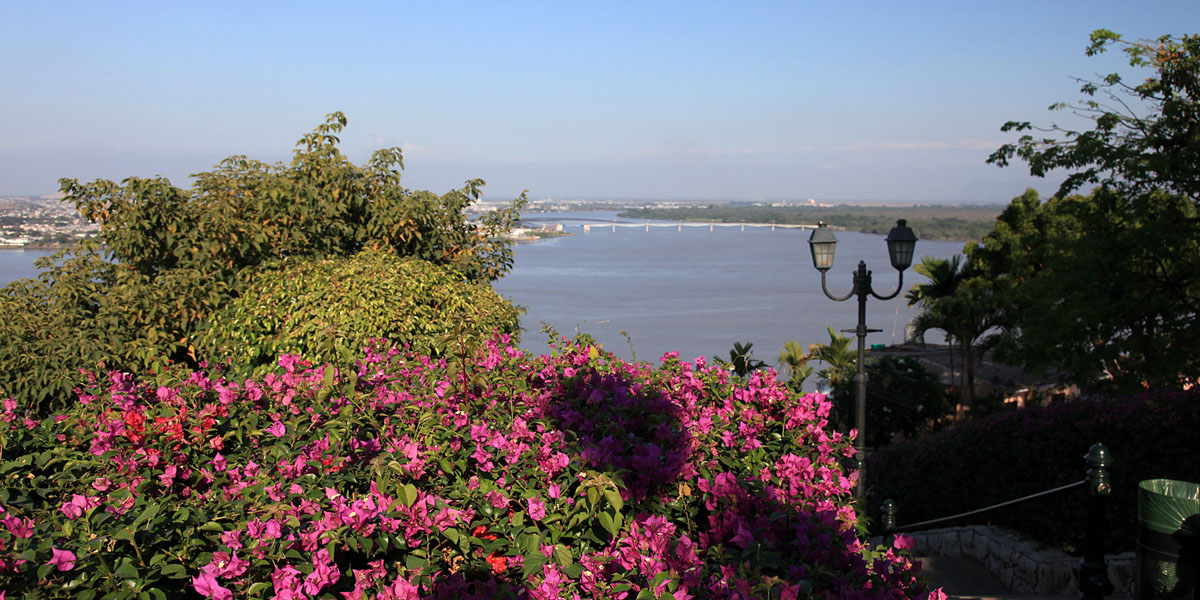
(490,474)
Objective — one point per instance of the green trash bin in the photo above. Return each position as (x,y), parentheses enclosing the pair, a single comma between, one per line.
(1168,539)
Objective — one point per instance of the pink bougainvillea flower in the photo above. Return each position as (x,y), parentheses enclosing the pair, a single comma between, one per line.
(63,560)
(206,585)
(497,499)
(232,538)
(77,505)
(21,528)
(401,589)
(744,539)
(541,431)
(537,509)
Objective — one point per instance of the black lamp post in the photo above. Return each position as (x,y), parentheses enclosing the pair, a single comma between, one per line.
(900,242)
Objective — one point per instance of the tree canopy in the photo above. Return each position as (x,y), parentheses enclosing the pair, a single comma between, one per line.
(167,258)
(1105,285)
(327,310)
(1145,137)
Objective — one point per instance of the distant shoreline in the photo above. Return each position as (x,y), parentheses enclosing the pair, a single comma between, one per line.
(39,247)
(944,223)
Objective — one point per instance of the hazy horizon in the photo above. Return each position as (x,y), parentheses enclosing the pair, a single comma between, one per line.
(875,102)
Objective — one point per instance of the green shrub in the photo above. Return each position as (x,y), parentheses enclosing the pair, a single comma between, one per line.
(1010,455)
(903,398)
(329,309)
(167,257)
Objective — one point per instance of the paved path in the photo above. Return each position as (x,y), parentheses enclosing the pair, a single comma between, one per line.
(965,579)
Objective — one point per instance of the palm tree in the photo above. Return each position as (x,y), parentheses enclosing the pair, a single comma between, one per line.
(794,360)
(944,276)
(837,354)
(958,302)
(842,361)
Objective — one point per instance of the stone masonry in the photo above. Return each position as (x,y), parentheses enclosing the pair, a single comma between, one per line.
(1024,566)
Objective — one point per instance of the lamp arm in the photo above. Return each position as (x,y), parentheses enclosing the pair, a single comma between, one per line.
(899,287)
(831,296)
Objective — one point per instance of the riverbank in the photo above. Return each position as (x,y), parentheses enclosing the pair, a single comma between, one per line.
(965,223)
(54,247)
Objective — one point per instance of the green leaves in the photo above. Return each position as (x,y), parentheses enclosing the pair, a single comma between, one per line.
(168,258)
(327,310)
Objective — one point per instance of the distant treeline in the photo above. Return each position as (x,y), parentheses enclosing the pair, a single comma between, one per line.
(930,222)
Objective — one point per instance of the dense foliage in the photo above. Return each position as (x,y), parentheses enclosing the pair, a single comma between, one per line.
(1006,456)
(904,399)
(167,258)
(959,300)
(328,309)
(1095,287)
(495,474)
(963,223)
(1106,286)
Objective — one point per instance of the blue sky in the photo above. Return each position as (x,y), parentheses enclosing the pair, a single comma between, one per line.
(868,101)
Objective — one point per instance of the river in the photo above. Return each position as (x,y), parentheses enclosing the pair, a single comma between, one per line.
(17,263)
(697,291)
(692,291)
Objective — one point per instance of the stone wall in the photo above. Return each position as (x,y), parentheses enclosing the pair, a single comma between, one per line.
(1024,566)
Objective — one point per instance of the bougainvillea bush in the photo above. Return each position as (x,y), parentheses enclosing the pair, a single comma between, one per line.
(499,474)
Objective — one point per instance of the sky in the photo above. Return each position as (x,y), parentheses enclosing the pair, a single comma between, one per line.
(838,101)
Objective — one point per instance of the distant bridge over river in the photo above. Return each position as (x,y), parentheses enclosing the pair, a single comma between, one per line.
(600,225)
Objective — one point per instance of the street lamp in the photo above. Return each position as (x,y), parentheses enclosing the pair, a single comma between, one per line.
(900,243)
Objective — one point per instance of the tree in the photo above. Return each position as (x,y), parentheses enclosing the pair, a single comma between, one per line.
(944,277)
(1103,291)
(794,360)
(328,310)
(167,258)
(838,355)
(842,365)
(1145,137)
(961,303)
(741,359)
(1106,286)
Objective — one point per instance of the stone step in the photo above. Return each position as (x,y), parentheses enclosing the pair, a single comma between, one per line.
(962,577)
(1002,564)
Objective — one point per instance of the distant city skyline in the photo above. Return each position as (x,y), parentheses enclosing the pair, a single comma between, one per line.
(867,102)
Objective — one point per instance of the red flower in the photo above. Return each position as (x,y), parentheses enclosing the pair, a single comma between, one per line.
(499,563)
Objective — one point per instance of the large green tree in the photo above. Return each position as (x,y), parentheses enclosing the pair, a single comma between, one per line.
(167,257)
(1105,286)
(1144,136)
